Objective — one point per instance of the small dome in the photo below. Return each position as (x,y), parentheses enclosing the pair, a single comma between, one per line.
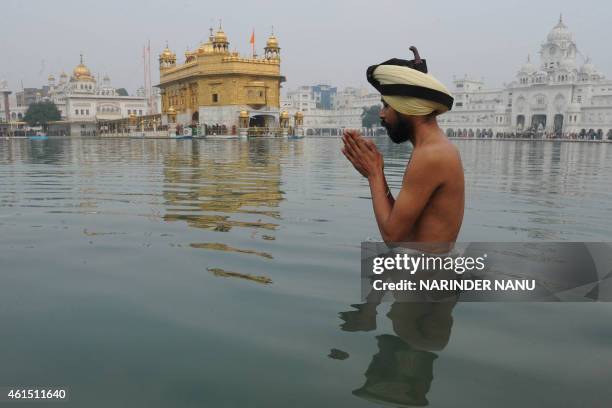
(587,68)
(220,37)
(284,115)
(559,32)
(81,72)
(528,67)
(167,55)
(272,42)
(51,78)
(171,111)
(63,75)
(244,114)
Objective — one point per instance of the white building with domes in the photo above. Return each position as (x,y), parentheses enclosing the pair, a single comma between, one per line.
(83,100)
(558,97)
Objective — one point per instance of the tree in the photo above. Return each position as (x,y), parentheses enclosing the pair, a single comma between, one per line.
(122,92)
(370,116)
(41,113)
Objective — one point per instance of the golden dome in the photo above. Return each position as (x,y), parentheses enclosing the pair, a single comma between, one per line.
(63,75)
(284,114)
(272,42)
(220,37)
(171,111)
(244,114)
(51,78)
(299,114)
(81,72)
(167,54)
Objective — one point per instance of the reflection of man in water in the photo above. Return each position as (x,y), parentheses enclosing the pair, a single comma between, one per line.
(402,371)
(429,206)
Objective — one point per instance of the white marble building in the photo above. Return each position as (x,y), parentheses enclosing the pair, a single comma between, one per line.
(82,100)
(560,97)
(347,107)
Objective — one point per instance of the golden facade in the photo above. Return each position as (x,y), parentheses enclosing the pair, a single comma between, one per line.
(212,76)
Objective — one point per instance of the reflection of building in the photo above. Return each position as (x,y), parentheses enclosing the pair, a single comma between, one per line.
(557,97)
(82,100)
(247,186)
(214,85)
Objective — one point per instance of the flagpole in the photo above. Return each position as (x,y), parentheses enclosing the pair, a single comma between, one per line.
(253,42)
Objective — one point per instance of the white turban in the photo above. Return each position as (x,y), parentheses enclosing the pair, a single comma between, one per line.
(410,105)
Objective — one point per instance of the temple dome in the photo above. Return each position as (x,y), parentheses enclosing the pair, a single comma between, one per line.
(272,42)
(587,67)
(559,32)
(528,67)
(167,54)
(221,37)
(81,72)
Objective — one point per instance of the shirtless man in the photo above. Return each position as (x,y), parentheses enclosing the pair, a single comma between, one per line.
(429,206)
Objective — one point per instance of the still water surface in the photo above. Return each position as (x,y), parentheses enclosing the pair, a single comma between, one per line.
(162,273)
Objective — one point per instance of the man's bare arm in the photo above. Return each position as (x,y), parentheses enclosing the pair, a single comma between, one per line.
(396,220)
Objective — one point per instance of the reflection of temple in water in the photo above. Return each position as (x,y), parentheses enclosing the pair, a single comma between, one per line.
(210,189)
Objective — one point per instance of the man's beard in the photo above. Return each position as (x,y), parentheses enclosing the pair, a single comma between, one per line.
(401,132)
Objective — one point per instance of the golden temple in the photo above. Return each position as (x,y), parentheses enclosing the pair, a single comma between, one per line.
(218,87)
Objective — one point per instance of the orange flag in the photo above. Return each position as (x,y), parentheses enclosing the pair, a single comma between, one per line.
(253,41)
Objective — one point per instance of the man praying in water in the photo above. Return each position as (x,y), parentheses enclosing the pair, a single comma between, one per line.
(429,206)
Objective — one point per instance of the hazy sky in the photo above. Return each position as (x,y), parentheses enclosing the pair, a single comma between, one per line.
(321,40)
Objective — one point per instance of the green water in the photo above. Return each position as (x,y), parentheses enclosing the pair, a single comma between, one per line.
(158,273)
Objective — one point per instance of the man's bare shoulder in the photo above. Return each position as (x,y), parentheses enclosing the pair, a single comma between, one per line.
(439,155)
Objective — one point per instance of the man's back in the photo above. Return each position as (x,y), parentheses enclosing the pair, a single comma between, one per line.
(437,162)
